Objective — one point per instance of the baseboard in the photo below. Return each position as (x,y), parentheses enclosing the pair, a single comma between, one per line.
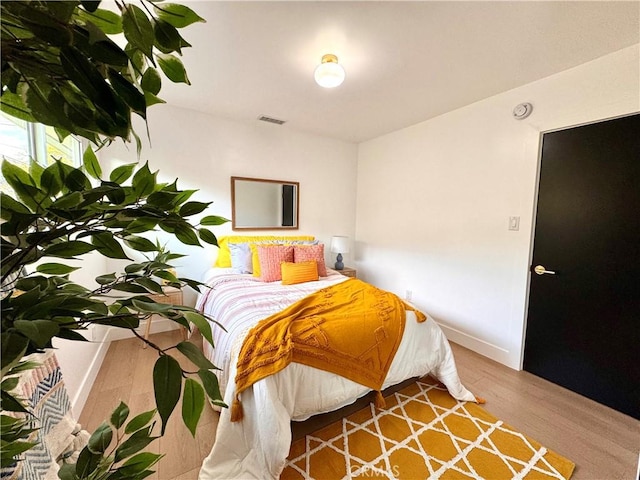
(80,398)
(480,346)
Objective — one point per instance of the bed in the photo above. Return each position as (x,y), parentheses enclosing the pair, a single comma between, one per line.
(257,446)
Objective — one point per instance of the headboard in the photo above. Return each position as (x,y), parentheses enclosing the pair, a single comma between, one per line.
(224,255)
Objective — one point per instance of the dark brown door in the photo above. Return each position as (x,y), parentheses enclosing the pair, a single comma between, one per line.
(583,324)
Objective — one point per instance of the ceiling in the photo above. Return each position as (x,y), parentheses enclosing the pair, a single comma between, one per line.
(405,61)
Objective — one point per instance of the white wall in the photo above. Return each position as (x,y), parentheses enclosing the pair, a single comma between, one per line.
(203,152)
(433,201)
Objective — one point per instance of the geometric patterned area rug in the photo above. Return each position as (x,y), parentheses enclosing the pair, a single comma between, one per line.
(422,433)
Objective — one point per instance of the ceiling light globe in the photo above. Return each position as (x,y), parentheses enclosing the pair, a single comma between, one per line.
(329,73)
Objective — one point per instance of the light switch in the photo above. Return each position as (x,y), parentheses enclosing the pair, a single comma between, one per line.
(514,223)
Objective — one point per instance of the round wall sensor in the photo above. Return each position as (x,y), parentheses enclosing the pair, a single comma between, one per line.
(522,111)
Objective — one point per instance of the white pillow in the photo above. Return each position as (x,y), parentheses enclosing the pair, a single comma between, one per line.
(241,260)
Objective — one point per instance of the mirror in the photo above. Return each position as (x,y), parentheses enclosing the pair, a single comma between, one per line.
(261,204)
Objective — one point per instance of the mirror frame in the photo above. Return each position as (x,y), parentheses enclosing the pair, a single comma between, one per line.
(234,225)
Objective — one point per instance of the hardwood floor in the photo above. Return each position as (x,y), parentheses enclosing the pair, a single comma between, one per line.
(126,375)
(602,442)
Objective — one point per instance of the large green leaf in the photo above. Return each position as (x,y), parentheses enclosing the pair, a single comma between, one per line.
(68,249)
(167,384)
(35,170)
(151,81)
(40,332)
(140,244)
(151,307)
(51,179)
(119,415)
(13,104)
(193,208)
(85,75)
(201,322)
(67,201)
(129,93)
(185,233)
(108,246)
(106,279)
(122,173)
(55,269)
(77,181)
(179,16)
(134,444)
(21,182)
(173,68)
(208,236)
(48,105)
(107,21)
(167,37)
(150,285)
(12,450)
(91,164)
(10,403)
(139,421)
(71,335)
(9,205)
(100,439)
(213,220)
(138,464)
(194,354)
(87,463)
(138,29)
(44,25)
(192,404)
(151,99)
(210,383)
(14,347)
(144,181)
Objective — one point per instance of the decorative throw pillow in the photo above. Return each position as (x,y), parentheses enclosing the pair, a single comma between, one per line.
(293,273)
(271,257)
(241,260)
(224,255)
(304,253)
(255,259)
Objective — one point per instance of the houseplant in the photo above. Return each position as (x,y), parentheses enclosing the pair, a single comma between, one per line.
(60,68)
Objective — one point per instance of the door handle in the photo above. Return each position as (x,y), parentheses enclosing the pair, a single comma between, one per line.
(540,270)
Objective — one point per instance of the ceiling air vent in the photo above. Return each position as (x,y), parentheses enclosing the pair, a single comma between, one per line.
(264,118)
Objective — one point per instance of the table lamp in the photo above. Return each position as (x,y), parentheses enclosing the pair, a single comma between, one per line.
(339,245)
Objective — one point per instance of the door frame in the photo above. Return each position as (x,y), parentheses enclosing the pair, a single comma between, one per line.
(532,233)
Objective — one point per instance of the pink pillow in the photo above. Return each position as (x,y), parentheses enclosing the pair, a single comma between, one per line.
(270,258)
(305,253)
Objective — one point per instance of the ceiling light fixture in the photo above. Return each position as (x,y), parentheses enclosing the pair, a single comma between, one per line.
(329,73)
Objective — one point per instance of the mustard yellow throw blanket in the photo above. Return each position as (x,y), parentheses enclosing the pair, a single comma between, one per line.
(352,329)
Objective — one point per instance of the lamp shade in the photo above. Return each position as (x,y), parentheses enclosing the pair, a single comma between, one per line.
(329,73)
(339,244)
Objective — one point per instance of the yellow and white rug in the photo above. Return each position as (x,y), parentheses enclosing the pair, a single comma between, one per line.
(422,433)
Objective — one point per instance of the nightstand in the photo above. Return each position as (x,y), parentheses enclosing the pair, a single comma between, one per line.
(172,296)
(348,272)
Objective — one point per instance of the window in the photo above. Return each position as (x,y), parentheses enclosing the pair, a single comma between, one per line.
(21,141)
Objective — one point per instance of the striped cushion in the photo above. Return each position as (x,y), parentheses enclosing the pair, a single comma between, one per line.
(271,256)
(293,273)
(304,253)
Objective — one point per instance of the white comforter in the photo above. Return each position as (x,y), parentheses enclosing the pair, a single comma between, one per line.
(257,446)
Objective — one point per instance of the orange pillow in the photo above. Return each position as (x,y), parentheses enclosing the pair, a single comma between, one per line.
(305,253)
(293,273)
(270,259)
